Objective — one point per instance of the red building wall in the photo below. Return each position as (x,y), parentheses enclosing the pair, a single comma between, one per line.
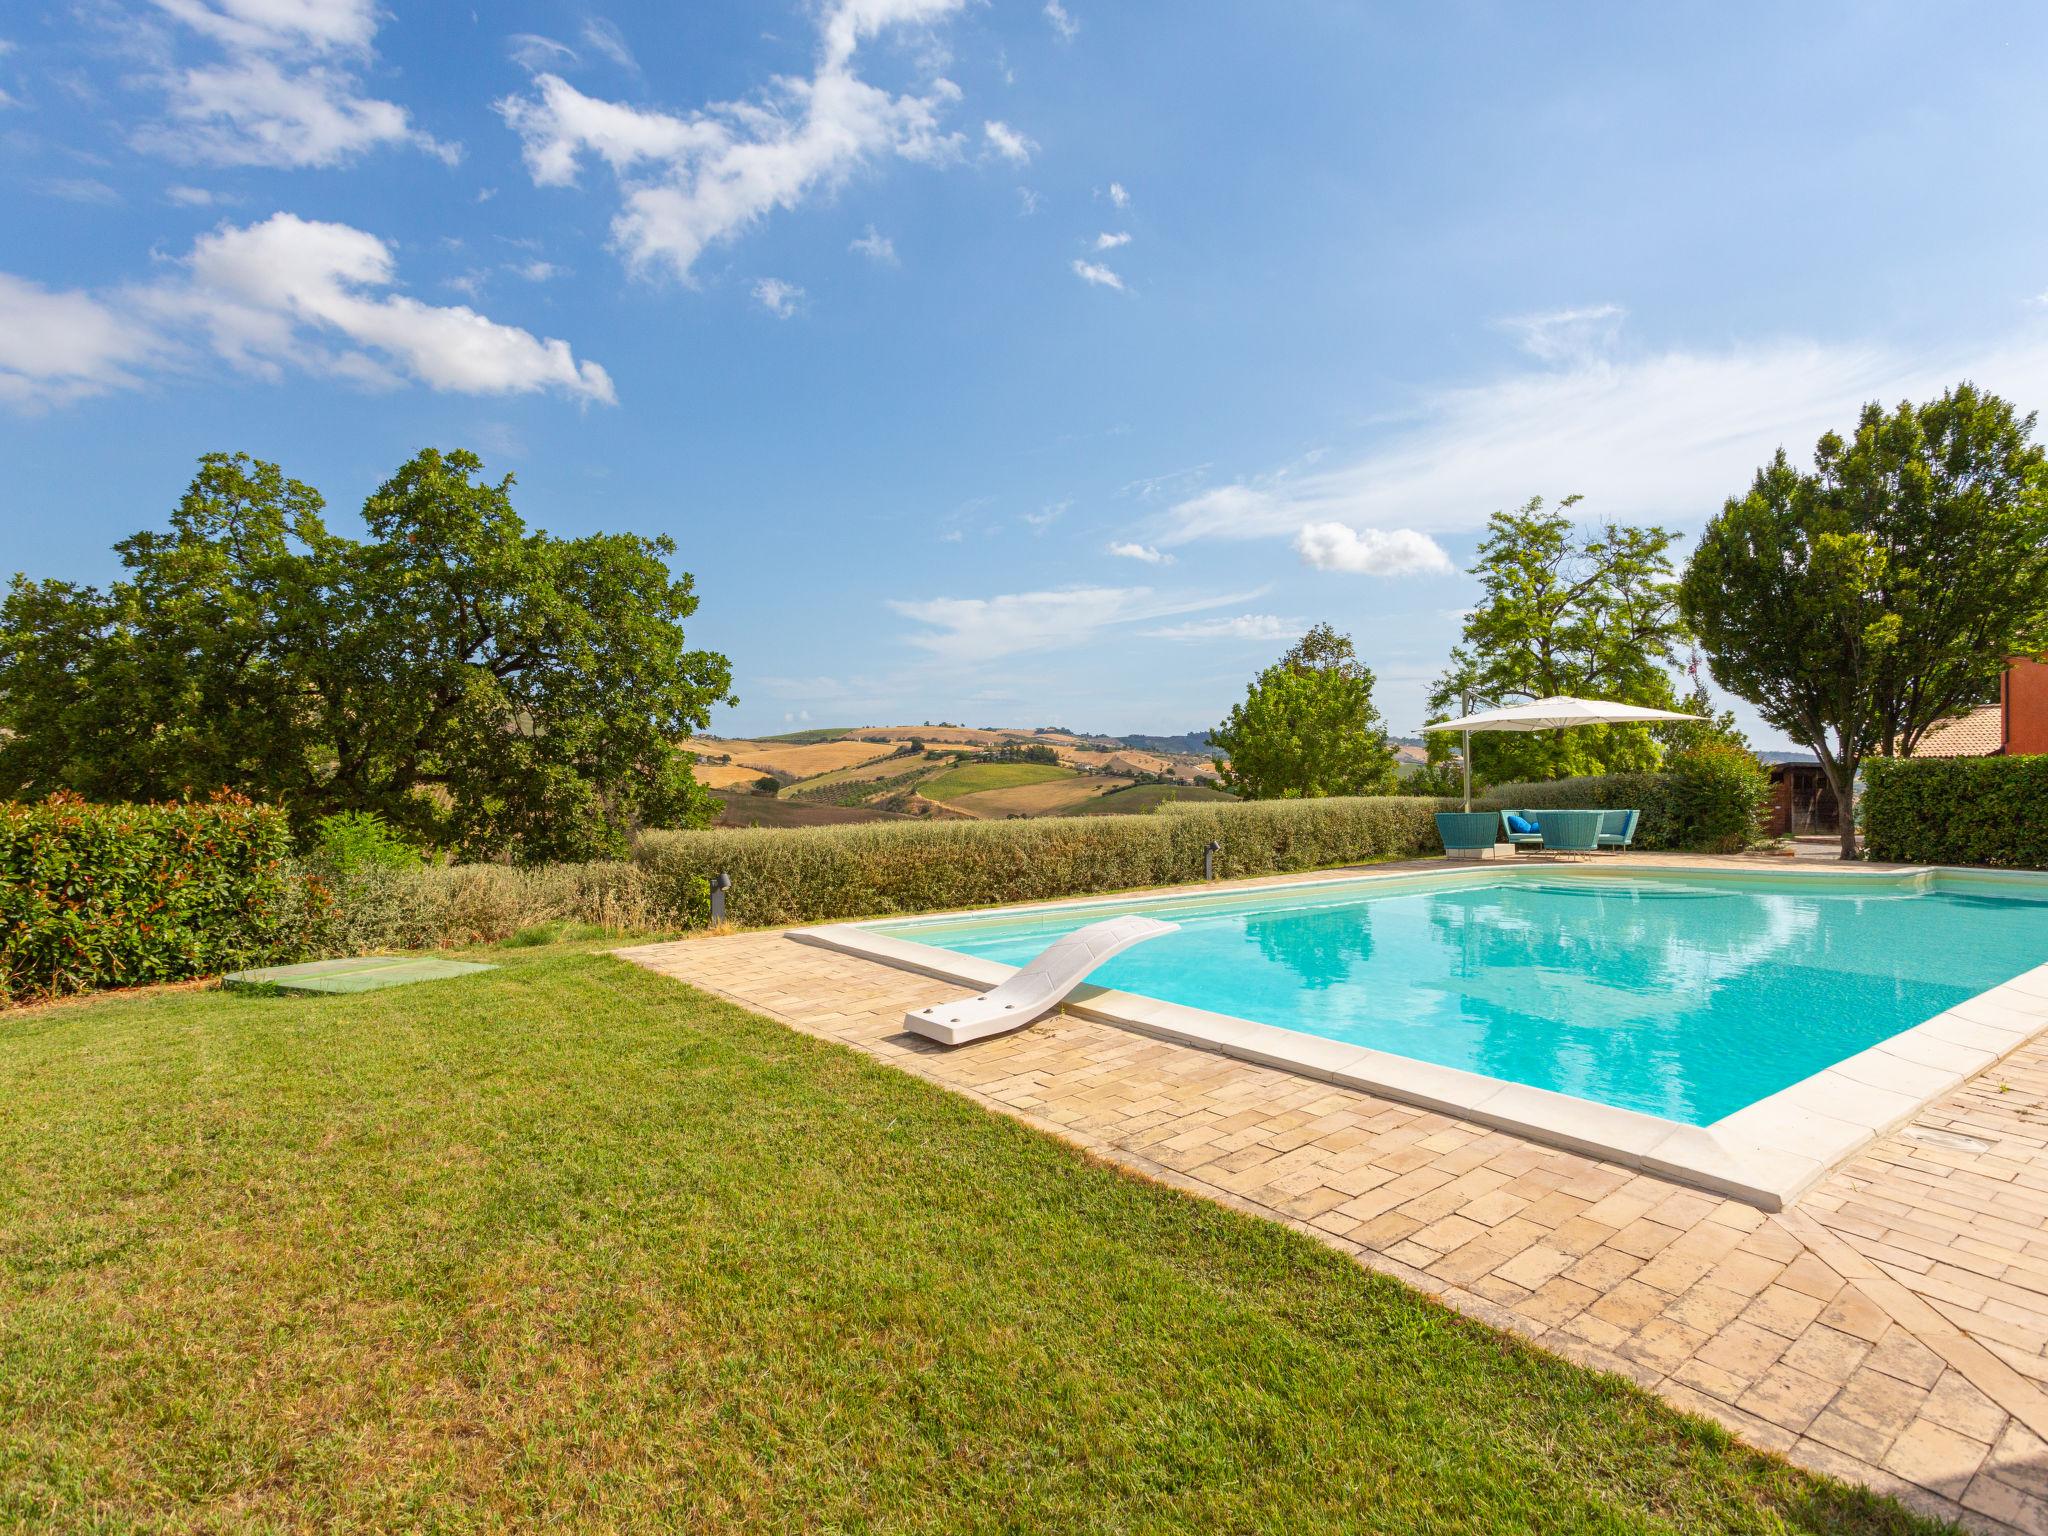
(2026,707)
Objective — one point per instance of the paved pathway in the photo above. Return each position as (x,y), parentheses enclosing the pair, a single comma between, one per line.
(1890,1329)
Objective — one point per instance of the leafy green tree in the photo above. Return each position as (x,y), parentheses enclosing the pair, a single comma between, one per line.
(1307,727)
(1860,603)
(1715,727)
(1592,615)
(473,683)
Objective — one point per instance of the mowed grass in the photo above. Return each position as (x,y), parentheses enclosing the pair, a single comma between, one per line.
(974,778)
(570,1246)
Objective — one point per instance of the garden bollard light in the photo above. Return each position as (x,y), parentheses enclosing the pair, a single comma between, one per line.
(720,884)
(1209,859)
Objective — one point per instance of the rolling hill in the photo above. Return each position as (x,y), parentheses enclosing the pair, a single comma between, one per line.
(951,771)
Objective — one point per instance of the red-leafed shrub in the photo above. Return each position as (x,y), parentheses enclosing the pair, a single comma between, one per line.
(118,895)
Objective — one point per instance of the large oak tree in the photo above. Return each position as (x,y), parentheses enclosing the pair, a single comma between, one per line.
(1859,603)
(480,684)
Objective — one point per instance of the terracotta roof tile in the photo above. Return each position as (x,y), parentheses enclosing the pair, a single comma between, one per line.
(1980,733)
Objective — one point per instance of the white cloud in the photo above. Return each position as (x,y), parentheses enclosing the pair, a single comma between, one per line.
(611,42)
(1109,242)
(1371,551)
(56,347)
(970,630)
(780,299)
(1144,552)
(285,293)
(1094,272)
(688,182)
(530,50)
(878,248)
(1663,437)
(285,91)
(1008,142)
(1245,626)
(1064,27)
(1028,202)
(78,189)
(192,197)
(1568,335)
(536,271)
(1118,195)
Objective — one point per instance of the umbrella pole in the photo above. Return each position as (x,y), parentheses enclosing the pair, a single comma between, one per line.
(1467,758)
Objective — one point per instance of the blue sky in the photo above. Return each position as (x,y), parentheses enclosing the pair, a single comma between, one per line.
(1004,362)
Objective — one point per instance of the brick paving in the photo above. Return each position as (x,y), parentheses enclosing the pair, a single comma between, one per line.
(1891,1328)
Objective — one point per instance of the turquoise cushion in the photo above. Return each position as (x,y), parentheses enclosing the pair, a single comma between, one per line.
(1522,825)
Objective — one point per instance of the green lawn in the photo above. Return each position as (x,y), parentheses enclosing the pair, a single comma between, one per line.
(569,1245)
(971,778)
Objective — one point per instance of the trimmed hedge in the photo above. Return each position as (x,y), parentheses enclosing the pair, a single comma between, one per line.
(1708,800)
(1956,810)
(826,874)
(436,906)
(118,895)
(105,896)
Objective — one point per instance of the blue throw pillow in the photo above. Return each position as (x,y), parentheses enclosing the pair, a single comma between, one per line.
(1521,824)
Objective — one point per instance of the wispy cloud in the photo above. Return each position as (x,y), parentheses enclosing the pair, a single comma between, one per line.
(79,189)
(193,197)
(602,37)
(1028,202)
(284,294)
(970,630)
(780,299)
(1109,242)
(1144,553)
(689,182)
(1371,551)
(531,50)
(1097,274)
(1118,195)
(1665,436)
(1245,626)
(1064,27)
(1008,142)
(878,248)
(1567,335)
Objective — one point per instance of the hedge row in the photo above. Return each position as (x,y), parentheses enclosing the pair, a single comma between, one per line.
(1957,810)
(824,874)
(434,907)
(1708,800)
(117,895)
(105,896)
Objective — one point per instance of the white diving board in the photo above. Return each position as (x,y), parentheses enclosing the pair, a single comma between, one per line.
(1038,988)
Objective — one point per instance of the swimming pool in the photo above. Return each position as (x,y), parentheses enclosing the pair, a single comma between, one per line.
(1775,1013)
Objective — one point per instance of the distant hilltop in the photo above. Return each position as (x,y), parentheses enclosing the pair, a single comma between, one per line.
(943,770)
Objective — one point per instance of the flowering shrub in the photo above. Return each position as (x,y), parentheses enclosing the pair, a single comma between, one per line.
(117,895)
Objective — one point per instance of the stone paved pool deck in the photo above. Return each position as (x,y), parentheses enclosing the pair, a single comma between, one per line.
(1889,1328)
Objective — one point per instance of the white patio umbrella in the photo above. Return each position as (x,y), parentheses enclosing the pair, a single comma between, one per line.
(1553,714)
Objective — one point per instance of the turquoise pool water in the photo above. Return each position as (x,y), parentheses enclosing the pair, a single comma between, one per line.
(1686,997)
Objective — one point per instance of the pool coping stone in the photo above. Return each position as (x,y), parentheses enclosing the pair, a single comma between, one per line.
(1766,1154)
